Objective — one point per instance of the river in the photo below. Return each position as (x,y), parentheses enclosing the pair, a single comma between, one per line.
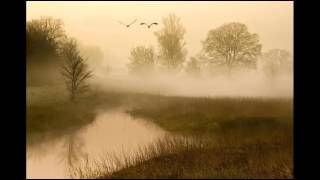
(112,132)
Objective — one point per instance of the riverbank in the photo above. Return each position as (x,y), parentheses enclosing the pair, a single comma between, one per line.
(252,138)
(51,114)
(244,138)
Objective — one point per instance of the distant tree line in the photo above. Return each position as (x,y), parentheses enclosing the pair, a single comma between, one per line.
(142,60)
(172,51)
(228,47)
(276,62)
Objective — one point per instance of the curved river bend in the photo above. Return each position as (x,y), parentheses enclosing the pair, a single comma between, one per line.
(112,132)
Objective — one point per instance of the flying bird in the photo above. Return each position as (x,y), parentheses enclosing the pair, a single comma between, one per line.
(128,25)
(149,24)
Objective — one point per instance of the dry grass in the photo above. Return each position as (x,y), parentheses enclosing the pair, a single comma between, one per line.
(204,158)
(235,138)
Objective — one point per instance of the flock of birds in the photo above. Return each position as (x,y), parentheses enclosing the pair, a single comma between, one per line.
(141,24)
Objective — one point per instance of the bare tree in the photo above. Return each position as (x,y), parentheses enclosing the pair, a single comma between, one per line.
(170,38)
(232,45)
(74,70)
(141,61)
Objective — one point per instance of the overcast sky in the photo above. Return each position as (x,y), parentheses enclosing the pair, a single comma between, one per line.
(95,23)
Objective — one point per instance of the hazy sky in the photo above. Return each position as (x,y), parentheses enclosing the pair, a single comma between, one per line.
(95,23)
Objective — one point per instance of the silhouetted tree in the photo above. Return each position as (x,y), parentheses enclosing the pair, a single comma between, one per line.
(232,45)
(44,37)
(74,69)
(276,61)
(193,67)
(141,60)
(170,39)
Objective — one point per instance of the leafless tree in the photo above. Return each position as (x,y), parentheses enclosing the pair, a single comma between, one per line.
(74,70)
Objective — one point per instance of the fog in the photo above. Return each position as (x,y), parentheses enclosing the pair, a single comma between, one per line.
(95,24)
(251,84)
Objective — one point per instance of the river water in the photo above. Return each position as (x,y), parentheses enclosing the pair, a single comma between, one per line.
(113,132)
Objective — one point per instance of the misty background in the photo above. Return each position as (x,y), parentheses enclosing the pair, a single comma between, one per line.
(108,44)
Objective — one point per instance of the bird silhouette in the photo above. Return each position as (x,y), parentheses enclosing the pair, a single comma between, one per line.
(128,25)
(149,24)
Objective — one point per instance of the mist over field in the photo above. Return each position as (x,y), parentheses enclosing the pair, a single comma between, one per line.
(244,84)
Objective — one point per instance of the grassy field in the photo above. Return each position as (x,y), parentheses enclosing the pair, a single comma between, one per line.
(234,138)
(248,138)
(211,115)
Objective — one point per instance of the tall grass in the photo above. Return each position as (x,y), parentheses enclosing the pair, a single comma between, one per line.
(246,138)
(182,157)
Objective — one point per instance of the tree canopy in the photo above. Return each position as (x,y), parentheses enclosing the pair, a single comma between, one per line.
(231,45)
(171,42)
(44,37)
(142,60)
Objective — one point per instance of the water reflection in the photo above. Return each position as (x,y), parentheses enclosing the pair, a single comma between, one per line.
(73,150)
(113,132)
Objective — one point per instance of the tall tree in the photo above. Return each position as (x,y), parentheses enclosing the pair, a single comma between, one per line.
(74,70)
(171,42)
(142,60)
(232,45)
(276,61)
(193,67)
